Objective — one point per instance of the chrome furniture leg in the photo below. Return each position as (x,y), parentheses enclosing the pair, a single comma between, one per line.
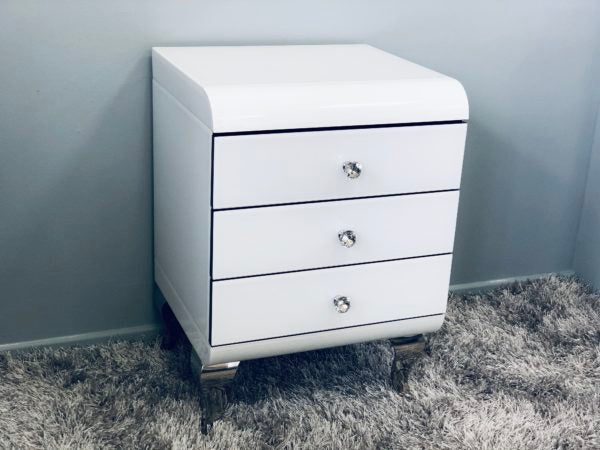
(213,386)
(407,350)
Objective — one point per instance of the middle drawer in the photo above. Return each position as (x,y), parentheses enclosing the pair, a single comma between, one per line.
(307,236)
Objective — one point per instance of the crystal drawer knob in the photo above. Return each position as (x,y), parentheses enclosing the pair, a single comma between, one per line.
(347,238)
(352,169)
(341,303)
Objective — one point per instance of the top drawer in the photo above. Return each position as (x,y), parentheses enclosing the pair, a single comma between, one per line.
(265,169)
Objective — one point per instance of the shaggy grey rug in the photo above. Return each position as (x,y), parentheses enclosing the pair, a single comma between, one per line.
(515,368)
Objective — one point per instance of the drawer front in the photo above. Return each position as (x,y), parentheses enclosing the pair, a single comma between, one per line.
(303,302)
(268,240)
(265,169)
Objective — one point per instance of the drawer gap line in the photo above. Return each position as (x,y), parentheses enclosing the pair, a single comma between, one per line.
(329,200)
(329,329)
(331,267)
(345,127)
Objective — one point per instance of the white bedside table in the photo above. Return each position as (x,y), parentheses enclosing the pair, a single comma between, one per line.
(304,197)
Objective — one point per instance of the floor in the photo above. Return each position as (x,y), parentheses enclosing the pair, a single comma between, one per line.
(518,367)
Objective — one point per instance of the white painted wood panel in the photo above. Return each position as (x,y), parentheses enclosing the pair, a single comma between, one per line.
(312,341)
(264,169)
(251,88)
(182,170)
(286,304)
(295,237)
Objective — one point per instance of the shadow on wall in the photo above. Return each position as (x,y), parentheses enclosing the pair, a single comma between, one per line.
(493,238)
(78,246)
(587,249)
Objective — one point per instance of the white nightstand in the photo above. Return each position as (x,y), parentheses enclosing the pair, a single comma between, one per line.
(304,197)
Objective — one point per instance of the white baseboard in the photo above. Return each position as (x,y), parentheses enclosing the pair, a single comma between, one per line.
(480,286)
(142,331)
(153,330)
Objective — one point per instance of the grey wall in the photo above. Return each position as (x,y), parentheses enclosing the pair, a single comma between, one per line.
(75,134)
(587,251)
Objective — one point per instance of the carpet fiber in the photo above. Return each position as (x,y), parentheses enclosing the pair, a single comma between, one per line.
(515,368)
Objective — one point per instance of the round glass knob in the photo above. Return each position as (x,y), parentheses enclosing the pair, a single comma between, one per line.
(352,169)
(347,238)
(341,303)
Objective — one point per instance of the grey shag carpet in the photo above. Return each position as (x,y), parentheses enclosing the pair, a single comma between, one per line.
(515,368)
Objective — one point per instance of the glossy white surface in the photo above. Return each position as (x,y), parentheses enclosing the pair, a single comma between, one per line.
(182,167)
(284,238)
(312,341)
(234,89)
(276,168)
(200,91)
(278,305)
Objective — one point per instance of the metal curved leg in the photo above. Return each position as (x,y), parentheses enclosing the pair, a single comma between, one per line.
(213,385)
(407,350)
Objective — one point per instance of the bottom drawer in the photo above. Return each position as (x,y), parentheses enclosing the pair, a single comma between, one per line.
(265,307)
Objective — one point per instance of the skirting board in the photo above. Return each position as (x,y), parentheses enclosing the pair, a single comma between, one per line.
(151,330)
(138,332)
(481,286)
